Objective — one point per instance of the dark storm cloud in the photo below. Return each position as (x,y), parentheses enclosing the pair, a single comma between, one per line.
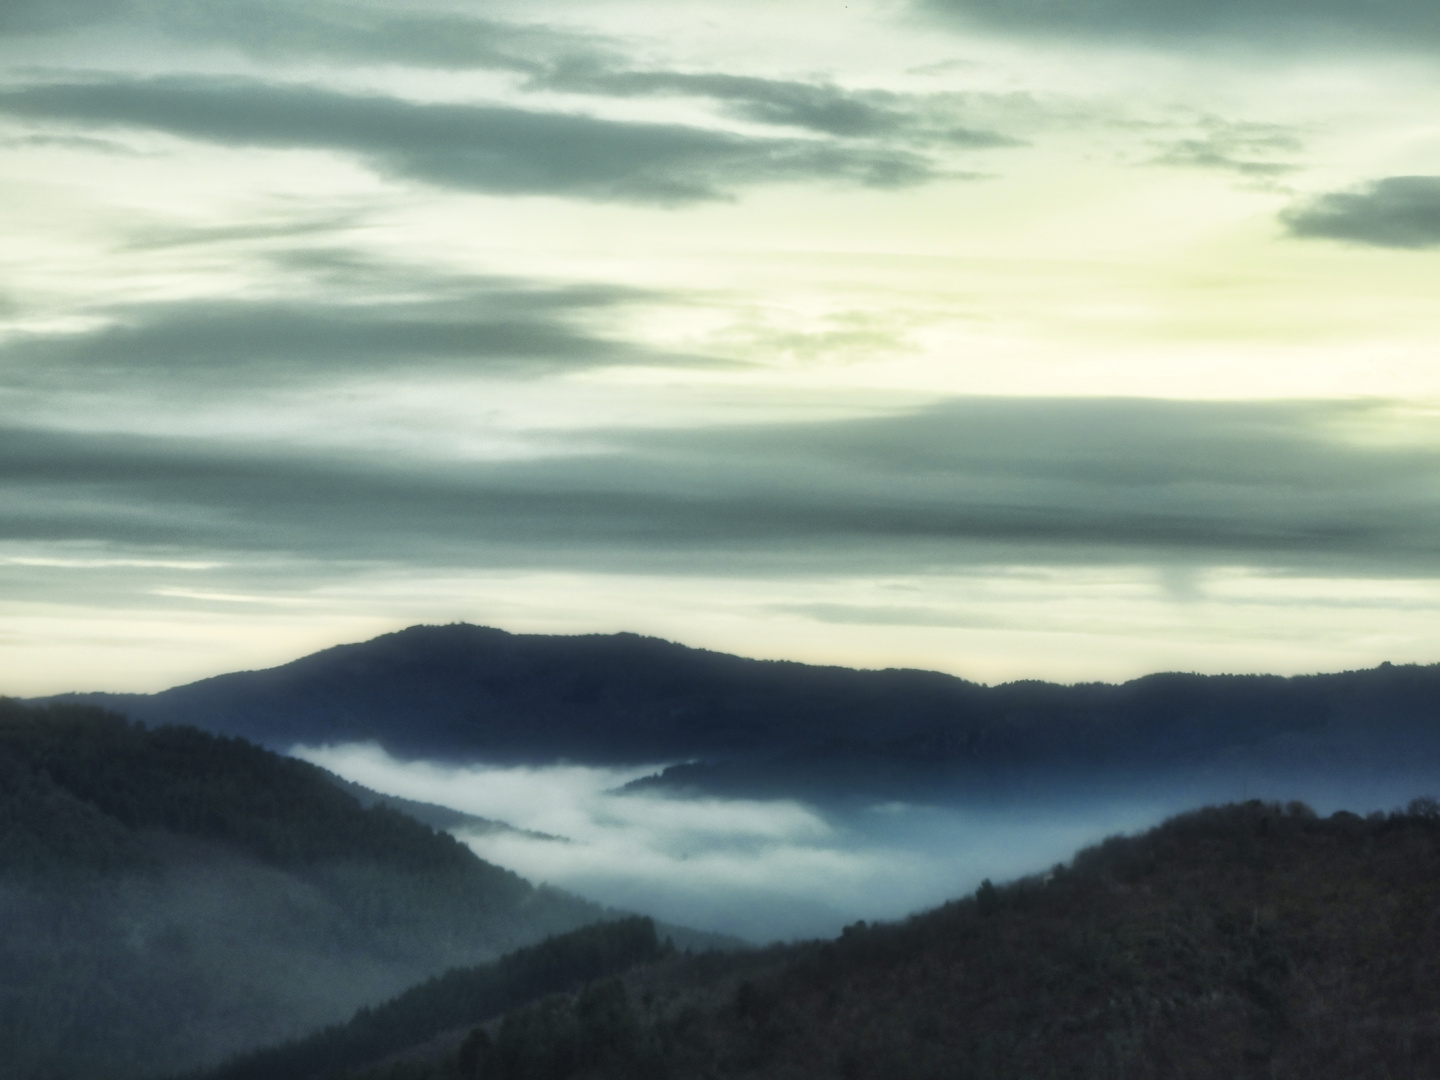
(1287,23)
(972,481)
(1396,212)
(492,149)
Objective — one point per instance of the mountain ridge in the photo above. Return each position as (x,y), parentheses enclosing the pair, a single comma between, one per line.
(734,725)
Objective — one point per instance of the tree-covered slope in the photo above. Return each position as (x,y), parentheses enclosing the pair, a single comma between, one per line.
(169,897)
(1244,941)
(458,997)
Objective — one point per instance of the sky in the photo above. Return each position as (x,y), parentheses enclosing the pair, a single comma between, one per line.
(1002,337)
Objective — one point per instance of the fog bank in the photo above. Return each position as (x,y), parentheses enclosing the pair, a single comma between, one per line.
(761,870)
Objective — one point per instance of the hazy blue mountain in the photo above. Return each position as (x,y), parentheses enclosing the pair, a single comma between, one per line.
(463,692)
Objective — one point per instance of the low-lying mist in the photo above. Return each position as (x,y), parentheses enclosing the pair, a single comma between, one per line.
(761,870)
(782,869)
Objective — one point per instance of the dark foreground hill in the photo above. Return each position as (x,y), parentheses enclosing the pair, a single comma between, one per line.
(770,727)
(168,898)
(1248,941)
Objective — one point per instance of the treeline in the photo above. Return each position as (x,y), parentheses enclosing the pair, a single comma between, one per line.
(460,996)
(1247,941)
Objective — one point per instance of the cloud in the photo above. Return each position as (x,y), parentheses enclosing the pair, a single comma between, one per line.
(205,346)
(340,318)
(1182,23)
(486,148)
(1396,212)
(893,615)
(819,107)
(1257,151)
(964,483)
(170,236)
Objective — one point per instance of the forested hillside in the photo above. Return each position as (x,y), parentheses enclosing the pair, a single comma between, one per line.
(458,996)
(776,728)
(169,897)
(1244,941)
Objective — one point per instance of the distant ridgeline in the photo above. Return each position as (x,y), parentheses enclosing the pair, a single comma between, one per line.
(466,692)
(169,898)
(1246,941)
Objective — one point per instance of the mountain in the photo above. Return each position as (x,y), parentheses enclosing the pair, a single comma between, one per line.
(169,897)
(744,726)
(1244,941)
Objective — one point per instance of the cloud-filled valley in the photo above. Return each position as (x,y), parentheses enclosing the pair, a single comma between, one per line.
(779,869)
(762,870)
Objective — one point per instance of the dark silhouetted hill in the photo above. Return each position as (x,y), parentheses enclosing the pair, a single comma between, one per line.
(169,897)
(758,727)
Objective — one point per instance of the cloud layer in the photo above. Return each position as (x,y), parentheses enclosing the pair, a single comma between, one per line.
(209,346)
(965,482)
